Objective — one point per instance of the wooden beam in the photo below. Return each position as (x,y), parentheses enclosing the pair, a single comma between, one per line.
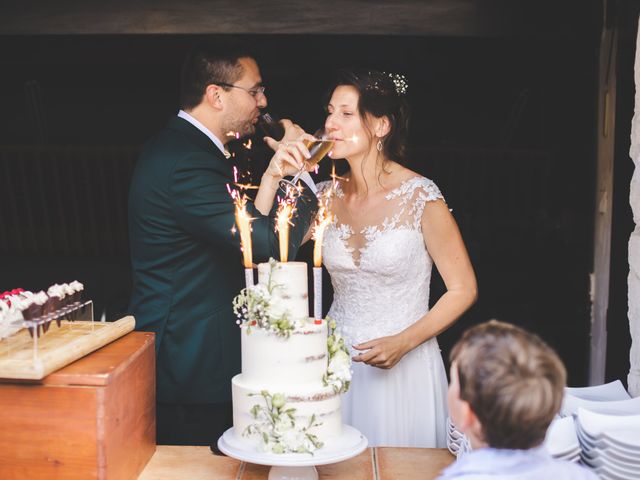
(372,17)
(604,199)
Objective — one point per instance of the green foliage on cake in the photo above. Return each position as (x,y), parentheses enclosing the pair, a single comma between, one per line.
(339,368)
(254,307)
(276,427)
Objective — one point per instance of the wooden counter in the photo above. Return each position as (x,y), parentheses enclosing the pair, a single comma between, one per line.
(93,419)
(198,463)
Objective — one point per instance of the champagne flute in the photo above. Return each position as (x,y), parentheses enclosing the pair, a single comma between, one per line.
(319,148)
(271,126)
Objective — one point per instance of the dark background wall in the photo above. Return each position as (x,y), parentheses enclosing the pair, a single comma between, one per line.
(504,124)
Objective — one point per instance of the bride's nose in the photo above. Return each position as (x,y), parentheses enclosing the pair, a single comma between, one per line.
(329,125)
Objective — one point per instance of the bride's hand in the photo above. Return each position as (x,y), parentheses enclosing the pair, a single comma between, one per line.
(292,131)
(383,352)
(288,159)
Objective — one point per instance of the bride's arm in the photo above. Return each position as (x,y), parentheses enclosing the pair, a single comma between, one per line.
(444,244)
(288,158)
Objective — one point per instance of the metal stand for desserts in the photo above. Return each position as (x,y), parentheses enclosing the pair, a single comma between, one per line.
(295,466)
(74,311)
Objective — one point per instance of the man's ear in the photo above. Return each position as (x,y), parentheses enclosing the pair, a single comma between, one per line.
(212,96)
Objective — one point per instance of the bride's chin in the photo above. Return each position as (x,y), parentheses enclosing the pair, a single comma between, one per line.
(340,152)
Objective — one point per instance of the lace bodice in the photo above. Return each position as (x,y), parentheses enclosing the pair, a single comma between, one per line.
(380,268)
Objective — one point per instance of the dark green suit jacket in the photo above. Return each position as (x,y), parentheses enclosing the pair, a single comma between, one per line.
(187,265)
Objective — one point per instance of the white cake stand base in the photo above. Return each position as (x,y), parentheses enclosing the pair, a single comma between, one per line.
(295,466)
(293,473)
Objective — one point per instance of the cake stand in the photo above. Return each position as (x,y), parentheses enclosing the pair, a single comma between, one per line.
(295,466)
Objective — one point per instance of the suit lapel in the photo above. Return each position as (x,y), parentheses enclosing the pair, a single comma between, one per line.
(197,136)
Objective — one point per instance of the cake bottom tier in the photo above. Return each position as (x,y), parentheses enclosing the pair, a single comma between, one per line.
(321,401)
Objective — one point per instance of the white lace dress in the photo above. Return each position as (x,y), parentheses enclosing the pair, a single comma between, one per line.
(380,276)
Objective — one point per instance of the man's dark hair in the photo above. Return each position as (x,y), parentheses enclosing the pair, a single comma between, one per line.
(209,63)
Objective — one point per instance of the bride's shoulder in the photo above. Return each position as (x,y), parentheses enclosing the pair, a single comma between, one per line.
(327,184)
(416,184)
(323,186)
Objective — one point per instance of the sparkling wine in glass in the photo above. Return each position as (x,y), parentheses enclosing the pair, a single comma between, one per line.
(318,148)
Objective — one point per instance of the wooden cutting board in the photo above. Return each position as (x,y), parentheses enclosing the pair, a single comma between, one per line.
(57,348)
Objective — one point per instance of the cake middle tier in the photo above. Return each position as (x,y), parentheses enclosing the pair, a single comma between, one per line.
(300,358)
(289,292)
(312,402)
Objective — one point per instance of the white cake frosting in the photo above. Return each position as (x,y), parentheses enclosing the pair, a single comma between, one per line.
(276,362)
(284,360)
(319,401)
(289,292)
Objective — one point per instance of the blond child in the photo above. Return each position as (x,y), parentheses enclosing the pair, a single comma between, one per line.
(506,387)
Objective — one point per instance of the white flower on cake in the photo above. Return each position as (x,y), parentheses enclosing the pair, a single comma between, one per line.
(339,369)
(254,306)
(276,427)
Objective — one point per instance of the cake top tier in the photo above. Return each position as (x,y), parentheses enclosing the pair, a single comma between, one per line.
(279,302)
(287,283)
(286,278)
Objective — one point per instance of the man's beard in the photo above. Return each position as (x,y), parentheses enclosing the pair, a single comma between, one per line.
(242,128)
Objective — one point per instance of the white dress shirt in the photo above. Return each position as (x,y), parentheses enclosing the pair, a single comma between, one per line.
(184,115)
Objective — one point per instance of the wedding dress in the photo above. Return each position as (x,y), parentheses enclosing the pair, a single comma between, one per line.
(380,271)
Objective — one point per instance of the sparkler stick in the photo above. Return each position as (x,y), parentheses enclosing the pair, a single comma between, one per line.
(323,218)
(243,224)
(286,209)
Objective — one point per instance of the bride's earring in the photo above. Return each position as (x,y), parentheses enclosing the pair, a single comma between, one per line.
(379,145)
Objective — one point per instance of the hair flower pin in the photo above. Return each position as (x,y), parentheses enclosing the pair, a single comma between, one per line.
(379,82)
(400,82)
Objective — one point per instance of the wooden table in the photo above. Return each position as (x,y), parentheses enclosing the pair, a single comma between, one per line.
(198,463)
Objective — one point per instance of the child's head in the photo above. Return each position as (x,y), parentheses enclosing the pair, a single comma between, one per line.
(506,386)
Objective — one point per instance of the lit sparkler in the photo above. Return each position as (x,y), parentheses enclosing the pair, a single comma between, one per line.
(243,224)
(323,218)
(286,209)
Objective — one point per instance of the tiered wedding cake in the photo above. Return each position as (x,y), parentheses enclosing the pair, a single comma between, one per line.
(294,368)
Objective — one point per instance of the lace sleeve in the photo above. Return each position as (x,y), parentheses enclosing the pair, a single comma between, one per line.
(322,187)
(425,191)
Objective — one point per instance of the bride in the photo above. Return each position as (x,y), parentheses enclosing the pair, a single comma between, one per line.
(390,225)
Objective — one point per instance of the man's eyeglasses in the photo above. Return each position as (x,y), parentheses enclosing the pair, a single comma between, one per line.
(251,91)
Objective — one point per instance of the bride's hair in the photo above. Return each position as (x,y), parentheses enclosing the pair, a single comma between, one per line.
(380,95)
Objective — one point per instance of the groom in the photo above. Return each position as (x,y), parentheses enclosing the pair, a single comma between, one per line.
(187,265)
